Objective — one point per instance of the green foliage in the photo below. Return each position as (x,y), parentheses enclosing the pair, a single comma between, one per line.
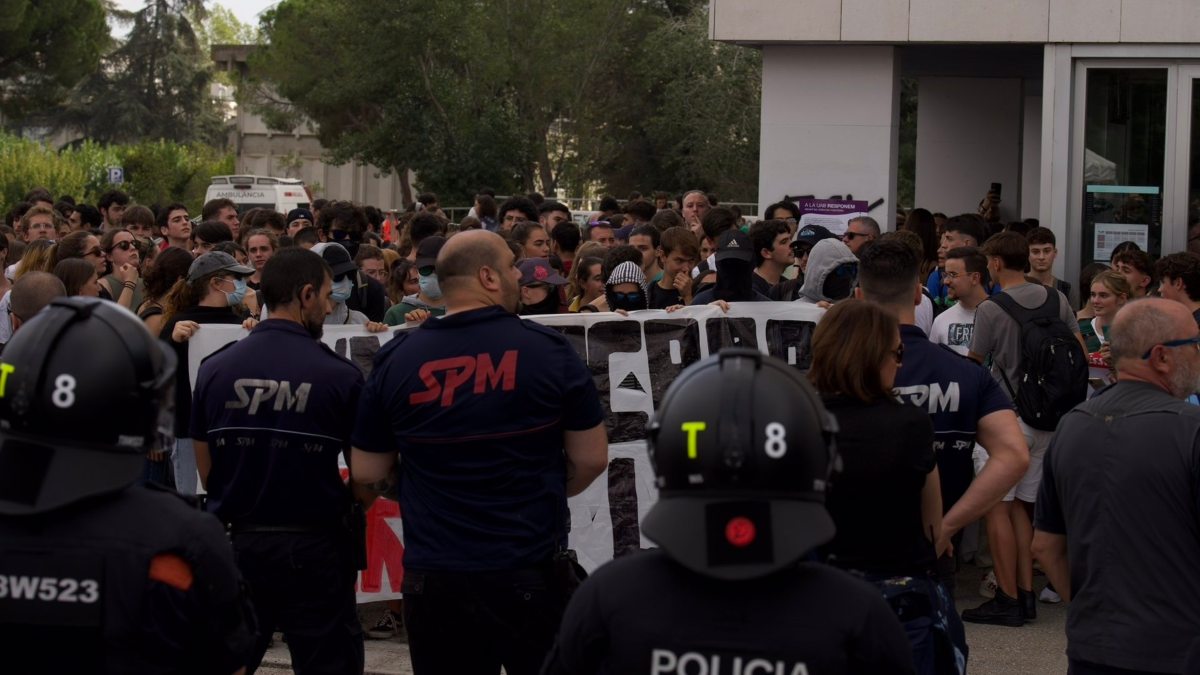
(154,85)
(46,46)
(688,116)
(516,94)
(220,26)
(157,172)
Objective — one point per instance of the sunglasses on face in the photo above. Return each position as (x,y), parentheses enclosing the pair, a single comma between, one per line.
(94,253)
(123,245)
(627,297)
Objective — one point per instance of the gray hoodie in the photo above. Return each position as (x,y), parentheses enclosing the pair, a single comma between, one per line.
(824,258)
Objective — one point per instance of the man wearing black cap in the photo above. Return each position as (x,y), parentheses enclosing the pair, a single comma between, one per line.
(427,301)
(271,415)
(735,270)
(298,219)
(540,284)
(742,477)
(802,244)
(345,275)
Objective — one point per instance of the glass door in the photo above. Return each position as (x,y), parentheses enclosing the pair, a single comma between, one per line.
(1125,134)
(1187,171)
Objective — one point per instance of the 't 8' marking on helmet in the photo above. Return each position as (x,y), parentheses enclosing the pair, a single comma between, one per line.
(63,395)
(776,443)
(6,369)
(691,429)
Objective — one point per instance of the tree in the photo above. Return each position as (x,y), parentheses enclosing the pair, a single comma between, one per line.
(691,118)
(220,26)
(154,85)
(46,46)
(515,94)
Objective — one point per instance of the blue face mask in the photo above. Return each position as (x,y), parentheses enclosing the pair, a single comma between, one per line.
(341,290)
(238,294)
(429,286)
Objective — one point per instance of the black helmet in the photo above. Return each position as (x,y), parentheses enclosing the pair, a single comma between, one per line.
(82,387)
(743,450)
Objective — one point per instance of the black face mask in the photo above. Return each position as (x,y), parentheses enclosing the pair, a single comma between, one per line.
(734,282)
(840,282)
(547,306)
(630,302)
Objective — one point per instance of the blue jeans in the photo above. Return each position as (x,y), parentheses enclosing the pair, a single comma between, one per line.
(183,460)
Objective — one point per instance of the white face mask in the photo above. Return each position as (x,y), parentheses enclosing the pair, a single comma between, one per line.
(429,286)
(341,290)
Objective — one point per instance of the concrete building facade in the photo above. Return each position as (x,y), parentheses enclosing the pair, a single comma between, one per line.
(1087,112)
(297,153)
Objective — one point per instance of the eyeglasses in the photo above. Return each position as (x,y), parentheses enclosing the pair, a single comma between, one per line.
(898,354)
(627,297)
(851,235)
(123,245)
(1174,343)
(94,253)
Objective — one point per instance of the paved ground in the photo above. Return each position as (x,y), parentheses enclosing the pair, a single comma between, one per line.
(1035,649)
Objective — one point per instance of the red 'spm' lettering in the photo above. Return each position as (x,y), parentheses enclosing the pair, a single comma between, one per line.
(459,370)
(503,378)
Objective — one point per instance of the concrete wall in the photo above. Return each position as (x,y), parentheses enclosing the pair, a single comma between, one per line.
(262,152)
(968,137)
(829,124)
(899,21)
(1031,157)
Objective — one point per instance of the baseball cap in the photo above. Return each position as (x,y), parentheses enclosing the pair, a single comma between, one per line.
(811,234)
(216,261)
(338,258)
(427,251)
(299,214)
(735,244)
(539,271)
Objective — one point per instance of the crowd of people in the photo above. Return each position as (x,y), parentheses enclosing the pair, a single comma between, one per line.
(972,392)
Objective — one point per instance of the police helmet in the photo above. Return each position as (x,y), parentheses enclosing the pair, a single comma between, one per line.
(82,387)
(743,450)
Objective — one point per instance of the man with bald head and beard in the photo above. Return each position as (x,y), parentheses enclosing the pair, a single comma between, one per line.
(496,421)
(1118,531)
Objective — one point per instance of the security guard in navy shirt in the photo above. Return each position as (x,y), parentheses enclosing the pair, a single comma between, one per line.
(99,574)
(743,451)
(272,413)
(497,421)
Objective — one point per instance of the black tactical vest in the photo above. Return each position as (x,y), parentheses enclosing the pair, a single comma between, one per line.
(76,595)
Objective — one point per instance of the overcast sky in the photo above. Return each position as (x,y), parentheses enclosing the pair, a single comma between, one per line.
(246,10)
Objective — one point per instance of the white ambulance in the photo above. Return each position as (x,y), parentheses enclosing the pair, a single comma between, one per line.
(249,192)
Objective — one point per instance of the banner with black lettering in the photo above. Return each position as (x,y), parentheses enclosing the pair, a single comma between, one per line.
(633,360)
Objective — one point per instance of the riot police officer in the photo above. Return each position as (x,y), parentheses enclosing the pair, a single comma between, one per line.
(98,573)
(743,452)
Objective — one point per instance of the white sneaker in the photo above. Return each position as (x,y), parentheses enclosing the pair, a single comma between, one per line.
(987,587)
(1049,595)
(384,629)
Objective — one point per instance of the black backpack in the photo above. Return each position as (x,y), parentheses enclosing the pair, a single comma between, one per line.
(1053,370)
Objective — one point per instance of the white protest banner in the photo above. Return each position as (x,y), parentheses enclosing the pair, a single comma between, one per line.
(633,360)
